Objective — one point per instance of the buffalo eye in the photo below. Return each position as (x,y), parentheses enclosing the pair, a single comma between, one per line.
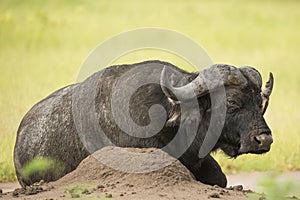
(232,104)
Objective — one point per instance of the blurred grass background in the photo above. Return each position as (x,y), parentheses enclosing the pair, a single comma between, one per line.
(43,43)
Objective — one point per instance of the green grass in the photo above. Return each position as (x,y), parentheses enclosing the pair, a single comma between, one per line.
(76,191)
(41,165)
(85,191)
(43,43)
(276,190)
(7,172)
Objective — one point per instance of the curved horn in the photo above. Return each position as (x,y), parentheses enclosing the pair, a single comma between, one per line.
(266,92)
(181,93)
(211,78)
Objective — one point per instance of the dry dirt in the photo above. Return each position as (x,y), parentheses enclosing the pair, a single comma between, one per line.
(94,180)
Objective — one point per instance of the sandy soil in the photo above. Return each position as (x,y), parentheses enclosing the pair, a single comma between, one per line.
(94,180)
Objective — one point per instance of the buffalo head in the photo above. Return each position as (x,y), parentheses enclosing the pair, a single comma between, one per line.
(245,130)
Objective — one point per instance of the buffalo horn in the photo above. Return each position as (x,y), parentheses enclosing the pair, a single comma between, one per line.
(207,80)
(184,92)
(266,92)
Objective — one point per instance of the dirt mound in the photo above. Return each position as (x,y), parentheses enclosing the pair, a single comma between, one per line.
(171,182)
(93,179)
(92,168)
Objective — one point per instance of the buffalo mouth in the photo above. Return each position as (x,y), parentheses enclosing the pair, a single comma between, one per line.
(257,144)
(259,151)
(234,152)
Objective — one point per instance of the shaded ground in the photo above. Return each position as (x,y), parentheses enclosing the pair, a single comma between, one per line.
(251,180)
(93,180)
(248,180)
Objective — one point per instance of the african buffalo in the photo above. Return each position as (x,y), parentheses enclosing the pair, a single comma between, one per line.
(50,129)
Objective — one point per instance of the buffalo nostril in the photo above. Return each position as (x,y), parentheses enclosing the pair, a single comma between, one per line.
(257,139)
(264,140)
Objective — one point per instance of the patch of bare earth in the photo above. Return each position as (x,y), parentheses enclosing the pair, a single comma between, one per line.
(94,180)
